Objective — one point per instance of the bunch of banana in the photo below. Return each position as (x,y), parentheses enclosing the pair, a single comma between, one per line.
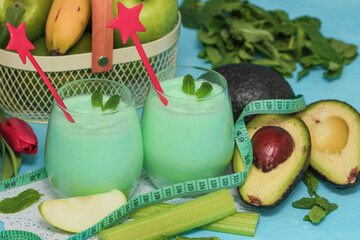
(65,25)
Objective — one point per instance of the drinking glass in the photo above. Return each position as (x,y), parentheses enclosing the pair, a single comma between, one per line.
(189,138)
(101,150)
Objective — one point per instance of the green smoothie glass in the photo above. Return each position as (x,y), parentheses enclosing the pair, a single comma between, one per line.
(189,138)
(102,149)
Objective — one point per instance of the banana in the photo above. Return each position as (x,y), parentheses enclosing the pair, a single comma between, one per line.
(65,24)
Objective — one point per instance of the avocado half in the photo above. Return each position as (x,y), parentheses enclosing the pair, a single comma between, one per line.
(248,82)
(335,138)
(269,189)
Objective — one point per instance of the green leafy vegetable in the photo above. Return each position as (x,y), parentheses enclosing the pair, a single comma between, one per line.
(235,31)
(111,103)
(188,86)
(12,16)
(319,206)
(205,89)
(311,182)
(19,202)
(97,99)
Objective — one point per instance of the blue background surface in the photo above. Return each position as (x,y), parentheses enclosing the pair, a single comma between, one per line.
(340,20)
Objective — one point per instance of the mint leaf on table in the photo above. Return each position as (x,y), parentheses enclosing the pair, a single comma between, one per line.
(112,102)
(12,16)
(311,182)
(236,31)
(319,206)
(19,202)
(305,203)
(205,89)
(317,213)
(188,86)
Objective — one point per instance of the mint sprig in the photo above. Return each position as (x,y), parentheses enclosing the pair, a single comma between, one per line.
(111,103)
(319,206)
(204,90)
(188,86)
(97,99)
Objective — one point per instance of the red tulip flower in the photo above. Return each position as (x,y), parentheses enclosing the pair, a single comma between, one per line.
(19,135)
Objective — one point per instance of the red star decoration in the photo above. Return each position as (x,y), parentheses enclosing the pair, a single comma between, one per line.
(127,21)
(18,41)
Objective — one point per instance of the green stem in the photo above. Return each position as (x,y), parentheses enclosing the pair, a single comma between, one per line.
(170,222)
(240,223)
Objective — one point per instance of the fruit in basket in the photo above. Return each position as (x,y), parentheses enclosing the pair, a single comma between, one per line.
(79,213)
(249,82)
(82,46)
(159,17)
(35,15)
(66,24)
(40,47)
(281,145)
(335,138)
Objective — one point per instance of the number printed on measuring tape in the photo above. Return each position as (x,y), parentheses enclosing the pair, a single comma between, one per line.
(196,187)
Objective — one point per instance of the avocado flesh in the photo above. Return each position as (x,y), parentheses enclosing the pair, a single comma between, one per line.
(269,189)
(335,132)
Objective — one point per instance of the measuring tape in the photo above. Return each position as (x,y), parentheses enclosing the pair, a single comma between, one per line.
(196,187)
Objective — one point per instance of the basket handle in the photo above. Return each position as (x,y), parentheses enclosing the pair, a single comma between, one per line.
(102,37)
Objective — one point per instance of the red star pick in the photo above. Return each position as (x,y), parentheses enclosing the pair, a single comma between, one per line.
(20,43)
(128,23)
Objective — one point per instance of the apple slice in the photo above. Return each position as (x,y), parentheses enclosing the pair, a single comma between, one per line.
(79,213)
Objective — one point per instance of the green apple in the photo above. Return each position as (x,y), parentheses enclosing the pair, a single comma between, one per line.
(79,213)
(35,16)
(159,17)
(40,47)
(82,46)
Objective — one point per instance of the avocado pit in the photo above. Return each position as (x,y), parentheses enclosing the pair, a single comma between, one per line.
(272,145)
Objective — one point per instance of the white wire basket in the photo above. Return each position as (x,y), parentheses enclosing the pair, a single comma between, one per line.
(23,94)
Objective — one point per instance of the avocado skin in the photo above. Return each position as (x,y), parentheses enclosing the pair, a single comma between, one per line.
(332,184)
(298,177)
(250,82)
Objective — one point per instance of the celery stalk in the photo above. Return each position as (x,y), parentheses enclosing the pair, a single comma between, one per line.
(240,223)
(186,216)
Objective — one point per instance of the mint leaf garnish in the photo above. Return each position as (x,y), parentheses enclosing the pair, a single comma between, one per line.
(204,90)
(112,102)
(188,86)
(97,99)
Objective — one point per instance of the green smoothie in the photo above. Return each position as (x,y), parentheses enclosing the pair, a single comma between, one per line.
(102,150)
(189,138)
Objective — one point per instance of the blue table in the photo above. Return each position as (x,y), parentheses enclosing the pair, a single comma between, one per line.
(340,19)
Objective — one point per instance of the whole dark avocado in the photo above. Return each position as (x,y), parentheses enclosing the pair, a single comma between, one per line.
(249,82)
